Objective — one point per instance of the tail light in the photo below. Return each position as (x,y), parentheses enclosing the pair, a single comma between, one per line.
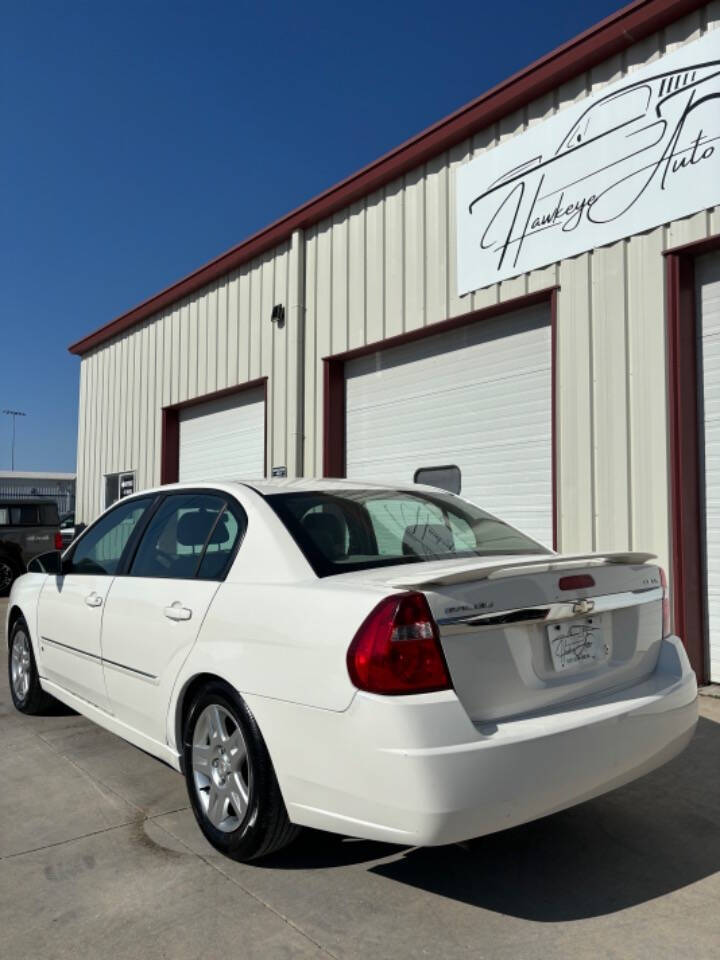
(58,540)
(397,649)
(666,629)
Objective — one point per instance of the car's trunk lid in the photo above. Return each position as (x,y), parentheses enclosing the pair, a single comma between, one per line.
(520,636)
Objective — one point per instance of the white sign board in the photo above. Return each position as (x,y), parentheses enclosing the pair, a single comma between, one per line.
(641,152)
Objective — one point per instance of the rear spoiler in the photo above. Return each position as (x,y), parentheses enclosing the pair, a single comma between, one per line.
(495,571)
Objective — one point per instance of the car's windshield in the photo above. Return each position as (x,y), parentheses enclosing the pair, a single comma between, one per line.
(344,530)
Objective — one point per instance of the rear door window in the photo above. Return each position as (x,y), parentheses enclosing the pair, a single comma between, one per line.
(220,549)
(191,535)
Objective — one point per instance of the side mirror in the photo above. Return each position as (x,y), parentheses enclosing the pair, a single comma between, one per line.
(46,563)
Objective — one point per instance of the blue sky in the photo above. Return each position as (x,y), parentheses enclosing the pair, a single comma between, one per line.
(139,140)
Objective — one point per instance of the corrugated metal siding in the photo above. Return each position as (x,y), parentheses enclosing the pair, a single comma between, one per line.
(220,337)
(387,265)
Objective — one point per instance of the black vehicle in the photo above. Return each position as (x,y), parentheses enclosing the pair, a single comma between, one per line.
(67,528)
(27,527)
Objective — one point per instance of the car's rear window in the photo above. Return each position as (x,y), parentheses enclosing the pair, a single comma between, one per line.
(28,515)
(341,531)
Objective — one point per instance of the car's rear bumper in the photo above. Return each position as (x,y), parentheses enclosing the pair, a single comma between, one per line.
(415,770)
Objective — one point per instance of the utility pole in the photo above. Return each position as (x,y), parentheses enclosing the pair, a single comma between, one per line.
(14,414)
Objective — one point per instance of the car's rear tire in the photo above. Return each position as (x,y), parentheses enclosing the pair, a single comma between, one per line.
(9,572)
(230,778)
(25,690)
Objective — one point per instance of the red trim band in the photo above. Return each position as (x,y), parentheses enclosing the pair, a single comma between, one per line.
(612,35)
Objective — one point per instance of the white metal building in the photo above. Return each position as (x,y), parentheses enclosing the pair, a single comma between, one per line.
(530,289)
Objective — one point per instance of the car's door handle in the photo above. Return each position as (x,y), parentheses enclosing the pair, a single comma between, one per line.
(176,611)
(93,600)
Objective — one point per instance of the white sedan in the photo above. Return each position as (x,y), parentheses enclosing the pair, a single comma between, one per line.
(390,663)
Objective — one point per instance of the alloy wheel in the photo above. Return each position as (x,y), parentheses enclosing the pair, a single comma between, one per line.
(20,664)
(221,768)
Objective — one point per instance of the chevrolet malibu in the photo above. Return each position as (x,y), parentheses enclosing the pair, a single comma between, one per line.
(389,663)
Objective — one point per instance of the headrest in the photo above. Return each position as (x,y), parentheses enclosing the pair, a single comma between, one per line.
(427,539)
(327,532)
(193,528)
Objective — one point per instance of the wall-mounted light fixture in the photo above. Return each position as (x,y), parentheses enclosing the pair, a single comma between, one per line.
(278,314)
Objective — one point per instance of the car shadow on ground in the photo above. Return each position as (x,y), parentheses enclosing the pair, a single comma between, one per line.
(640,842)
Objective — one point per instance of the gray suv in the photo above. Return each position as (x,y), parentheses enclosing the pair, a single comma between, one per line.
(27,528)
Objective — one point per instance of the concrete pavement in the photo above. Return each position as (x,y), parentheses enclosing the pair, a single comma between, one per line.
(100,855)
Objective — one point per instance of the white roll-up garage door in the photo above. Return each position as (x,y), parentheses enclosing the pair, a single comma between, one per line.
(478,396)
(707,273)
(223,439)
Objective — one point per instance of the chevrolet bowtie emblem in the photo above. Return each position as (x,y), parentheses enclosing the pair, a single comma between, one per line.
(583,606)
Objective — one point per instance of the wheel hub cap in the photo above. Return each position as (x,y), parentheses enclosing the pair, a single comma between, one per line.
(221,768)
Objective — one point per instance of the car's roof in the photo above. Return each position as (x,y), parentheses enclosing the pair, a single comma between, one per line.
(304,484)
(269,486)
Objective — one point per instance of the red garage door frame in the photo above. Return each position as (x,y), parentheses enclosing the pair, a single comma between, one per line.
(170,448)
(686,523)
(334,378)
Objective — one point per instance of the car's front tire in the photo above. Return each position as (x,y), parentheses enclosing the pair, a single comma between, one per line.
(27,694)
(230,778)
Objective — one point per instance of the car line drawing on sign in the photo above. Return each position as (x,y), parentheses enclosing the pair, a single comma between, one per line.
(625,147)
(388,662)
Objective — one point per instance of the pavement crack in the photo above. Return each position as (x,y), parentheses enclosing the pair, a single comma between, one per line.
(61,843)
(96,781)
(263,903)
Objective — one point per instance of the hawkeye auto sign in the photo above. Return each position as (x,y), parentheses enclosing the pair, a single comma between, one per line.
(644,151)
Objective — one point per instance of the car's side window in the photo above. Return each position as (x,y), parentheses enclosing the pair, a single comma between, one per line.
(100,550)
(221,547)
(190,535)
